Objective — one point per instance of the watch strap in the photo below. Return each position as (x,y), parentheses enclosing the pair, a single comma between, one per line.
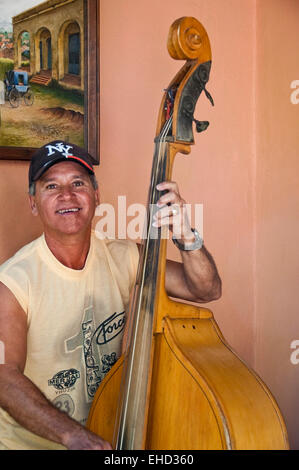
(196,245)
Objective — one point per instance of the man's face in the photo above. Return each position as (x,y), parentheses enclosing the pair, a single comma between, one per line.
(65,199)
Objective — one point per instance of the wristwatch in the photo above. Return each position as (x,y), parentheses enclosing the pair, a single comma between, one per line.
(196,245)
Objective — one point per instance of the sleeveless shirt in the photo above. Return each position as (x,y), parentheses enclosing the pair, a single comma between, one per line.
(75,323)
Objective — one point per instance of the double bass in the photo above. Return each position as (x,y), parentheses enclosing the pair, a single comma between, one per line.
(179,385)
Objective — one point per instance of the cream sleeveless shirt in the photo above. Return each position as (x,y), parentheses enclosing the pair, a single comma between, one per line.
(75,323)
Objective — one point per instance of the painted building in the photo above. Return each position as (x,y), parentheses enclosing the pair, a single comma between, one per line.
(56,37)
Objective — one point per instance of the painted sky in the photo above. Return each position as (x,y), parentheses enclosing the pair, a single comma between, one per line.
(9,8)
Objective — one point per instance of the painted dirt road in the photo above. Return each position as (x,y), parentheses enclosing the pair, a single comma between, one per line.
(55,114)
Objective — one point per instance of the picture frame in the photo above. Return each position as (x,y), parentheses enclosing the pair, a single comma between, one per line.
(91,91)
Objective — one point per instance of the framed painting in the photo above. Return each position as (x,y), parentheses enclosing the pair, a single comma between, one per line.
(49,75)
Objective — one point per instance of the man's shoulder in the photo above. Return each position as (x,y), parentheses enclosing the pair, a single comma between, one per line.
(122,245)
(24,253)
(114,244)
(118,249)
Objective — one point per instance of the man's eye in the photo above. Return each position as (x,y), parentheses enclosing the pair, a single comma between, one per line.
(51,186)
(78,183)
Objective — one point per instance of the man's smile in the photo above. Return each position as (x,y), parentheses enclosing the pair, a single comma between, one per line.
(68,211)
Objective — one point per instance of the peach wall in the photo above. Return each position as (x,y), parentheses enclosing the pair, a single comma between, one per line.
(17,226)
(135,67)
(277,202)
(243,169)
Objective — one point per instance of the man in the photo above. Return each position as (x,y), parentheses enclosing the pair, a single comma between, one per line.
(64,298)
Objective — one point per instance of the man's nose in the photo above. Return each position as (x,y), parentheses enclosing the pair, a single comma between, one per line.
(66,191)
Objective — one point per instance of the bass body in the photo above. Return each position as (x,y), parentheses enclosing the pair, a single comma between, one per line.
(202,394)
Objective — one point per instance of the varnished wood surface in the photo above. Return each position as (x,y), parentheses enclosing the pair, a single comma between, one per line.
(202,396)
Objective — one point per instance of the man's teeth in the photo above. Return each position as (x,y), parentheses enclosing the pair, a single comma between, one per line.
(65,211)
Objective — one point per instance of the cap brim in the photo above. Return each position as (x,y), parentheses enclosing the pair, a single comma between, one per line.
(48,165)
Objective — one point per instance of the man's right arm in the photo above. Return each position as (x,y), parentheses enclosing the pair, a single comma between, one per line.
(21,398)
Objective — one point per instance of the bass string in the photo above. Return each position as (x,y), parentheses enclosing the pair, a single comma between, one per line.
(158,162)
(158,172)
(152,196)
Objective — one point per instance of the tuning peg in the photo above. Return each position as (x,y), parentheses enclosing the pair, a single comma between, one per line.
(208,95)
(201,125)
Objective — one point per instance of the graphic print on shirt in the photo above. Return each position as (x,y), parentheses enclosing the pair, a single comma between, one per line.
(64,379)
(98,359)
(65,403)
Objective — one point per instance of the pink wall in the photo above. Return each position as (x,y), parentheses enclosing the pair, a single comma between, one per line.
(243,169)
(17,227)
(277,202)
(135,67)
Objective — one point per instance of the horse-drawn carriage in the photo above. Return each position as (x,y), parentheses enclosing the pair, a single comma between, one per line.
(17,87)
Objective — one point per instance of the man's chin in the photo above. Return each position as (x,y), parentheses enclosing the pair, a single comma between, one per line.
(67,230)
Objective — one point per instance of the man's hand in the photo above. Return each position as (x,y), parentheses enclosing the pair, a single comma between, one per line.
(196,278)
(173,212)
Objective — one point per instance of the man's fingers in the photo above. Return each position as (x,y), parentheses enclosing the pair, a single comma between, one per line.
(172,196)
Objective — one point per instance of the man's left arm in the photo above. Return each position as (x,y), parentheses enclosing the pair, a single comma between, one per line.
(196,278)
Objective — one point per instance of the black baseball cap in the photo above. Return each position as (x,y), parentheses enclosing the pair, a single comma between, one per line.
(54,152)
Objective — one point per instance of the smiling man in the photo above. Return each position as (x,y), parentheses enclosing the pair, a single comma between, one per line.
(64,299)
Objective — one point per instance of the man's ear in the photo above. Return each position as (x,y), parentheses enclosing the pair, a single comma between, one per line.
(97,197)
(33,206)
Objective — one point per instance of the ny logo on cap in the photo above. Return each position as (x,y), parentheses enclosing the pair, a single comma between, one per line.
(59,147)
